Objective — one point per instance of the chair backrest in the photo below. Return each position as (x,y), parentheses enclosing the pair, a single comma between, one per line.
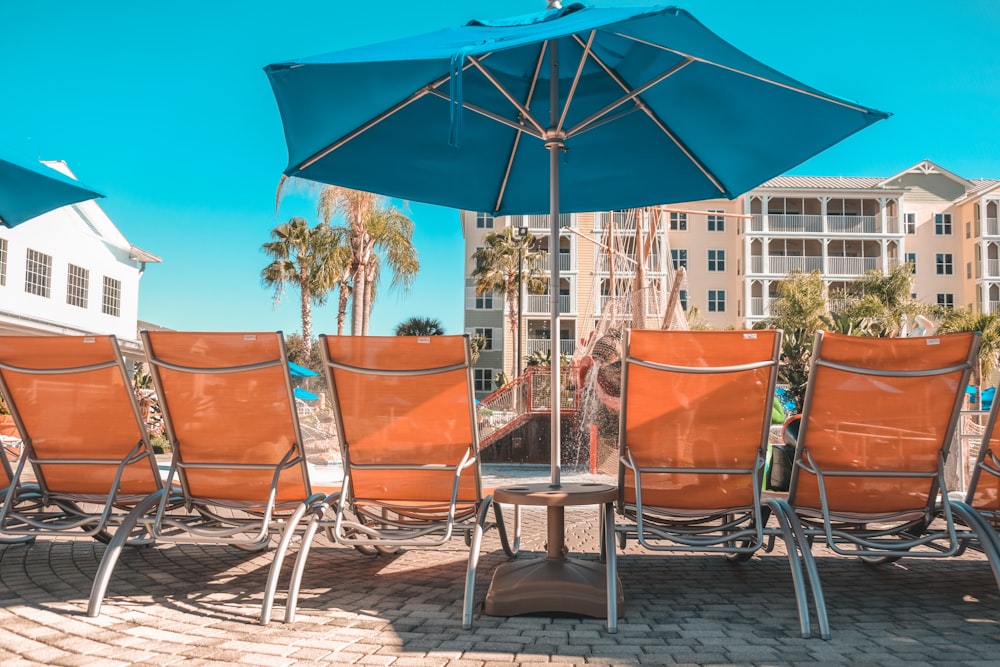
(984,484)
(405,415)
(696,406)
(73,401)
(877,421)
(230,415)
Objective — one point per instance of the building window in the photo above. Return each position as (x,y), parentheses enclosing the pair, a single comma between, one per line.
(910,223)
(968,270)
(484,301)
(716,301)
(968,230)
(77,285)
(944,264)
(946,300)
(3,262)
(942,224)
(716,223)
(678,222)
(483,379)
(911,259)
(484,221)
(38,273)
(487,334)
(679,257)
(684,300)
(111,303)
(716,260)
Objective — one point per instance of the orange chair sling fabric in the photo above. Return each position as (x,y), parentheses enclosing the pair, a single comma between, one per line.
(891,408)
(390,417)
(698,423)
(70,413)
(228,403)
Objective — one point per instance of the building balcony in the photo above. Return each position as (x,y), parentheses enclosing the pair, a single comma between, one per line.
(539,224)
(993,307)
(835,266)
(540,304)
(992,227)
(819,224)
(760,306)
(532,345)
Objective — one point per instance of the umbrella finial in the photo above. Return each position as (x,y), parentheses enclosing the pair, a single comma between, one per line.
(554,4)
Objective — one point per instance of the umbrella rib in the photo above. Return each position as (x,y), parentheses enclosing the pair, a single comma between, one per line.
(361,129)
(506,93)
(576,78)
(592,122)
(762,79)
(502,190)
(489,114)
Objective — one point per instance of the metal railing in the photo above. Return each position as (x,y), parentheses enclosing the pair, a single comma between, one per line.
(532,345)
(851,266)
(539,304)
(531,393)
(819,224)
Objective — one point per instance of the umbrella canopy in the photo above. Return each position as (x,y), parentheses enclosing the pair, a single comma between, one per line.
(297,371)
(304,395)
(27,191)
(572,109)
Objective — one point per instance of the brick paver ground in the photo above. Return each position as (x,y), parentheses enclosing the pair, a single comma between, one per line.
(198,605)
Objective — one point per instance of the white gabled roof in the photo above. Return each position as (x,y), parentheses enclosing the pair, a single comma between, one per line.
(823,183)
(928,167)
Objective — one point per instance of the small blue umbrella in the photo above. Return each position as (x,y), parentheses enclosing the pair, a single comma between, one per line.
(305,395)
(574,108)
(29,190)
(297,371)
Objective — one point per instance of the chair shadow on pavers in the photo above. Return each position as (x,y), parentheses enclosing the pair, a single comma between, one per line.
(405,416)
(85,457)
(868,473)
(695,417)
(238,470)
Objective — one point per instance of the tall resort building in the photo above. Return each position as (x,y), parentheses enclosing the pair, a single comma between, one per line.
(71,271)
(735,253)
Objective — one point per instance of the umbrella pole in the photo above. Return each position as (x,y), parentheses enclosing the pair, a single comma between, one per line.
(555,146)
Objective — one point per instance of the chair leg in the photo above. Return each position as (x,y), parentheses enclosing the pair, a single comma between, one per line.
(508,548)
(103,577)
(795,543)
(292,601)
(611,564)
(989,541)
(470,570)
(291,526)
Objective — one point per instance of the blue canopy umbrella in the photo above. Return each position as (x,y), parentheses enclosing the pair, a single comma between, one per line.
(27,191)
(305,395)
(574,108)
(297,371)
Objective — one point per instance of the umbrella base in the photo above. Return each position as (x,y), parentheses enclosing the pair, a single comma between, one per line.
(543,585)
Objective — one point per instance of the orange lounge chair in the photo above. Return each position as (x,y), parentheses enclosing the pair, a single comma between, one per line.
(82,438)
(410,449)
(237,451)
(981,510)
(868,472)
(695,416)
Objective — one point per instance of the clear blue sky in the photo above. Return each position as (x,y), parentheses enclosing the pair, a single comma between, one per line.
(164,107)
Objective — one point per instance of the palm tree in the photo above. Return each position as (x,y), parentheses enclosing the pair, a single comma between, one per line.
(881,304)
(420,326)
(371,227)
(309,258)
(502,264)
(988,325)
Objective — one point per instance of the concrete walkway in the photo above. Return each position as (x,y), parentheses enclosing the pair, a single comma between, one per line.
(198,605)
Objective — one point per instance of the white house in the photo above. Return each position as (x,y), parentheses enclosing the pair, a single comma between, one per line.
(71,271)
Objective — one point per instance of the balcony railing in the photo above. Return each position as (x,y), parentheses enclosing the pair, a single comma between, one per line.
(992,227)
(994,307)
(539,304)
(783,223)
(539,223)
(760,306)
(619,220)
(992,268)
(782,265)
(532,345)
(851,266)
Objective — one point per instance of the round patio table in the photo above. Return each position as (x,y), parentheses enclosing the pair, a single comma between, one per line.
(557,584)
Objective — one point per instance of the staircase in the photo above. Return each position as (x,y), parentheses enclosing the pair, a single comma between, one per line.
(513,404)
